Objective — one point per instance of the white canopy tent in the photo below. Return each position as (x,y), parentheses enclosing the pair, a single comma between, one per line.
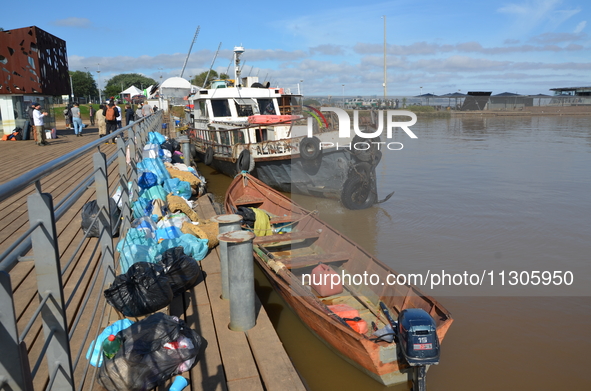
(131,92)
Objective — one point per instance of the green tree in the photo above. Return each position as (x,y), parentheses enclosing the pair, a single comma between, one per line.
(199,80)
(123,81)
(83,84)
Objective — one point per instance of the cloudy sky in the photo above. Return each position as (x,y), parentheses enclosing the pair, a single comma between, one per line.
(523,46)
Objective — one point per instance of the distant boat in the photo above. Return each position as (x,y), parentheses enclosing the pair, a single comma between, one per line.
(307,242)
(242,125)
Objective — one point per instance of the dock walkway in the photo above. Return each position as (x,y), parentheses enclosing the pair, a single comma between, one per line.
(254,360)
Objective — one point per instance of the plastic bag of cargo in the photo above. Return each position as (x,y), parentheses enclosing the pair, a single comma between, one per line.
(150,151)
(147,180)
(155,138)
(181,269)
(155,166)
(90,223)
(178,187)
(177,157)
(167,233)
(165,155)
(194,247)
(143,289)
(142,207)
(152,351)
(144,222)
(139,236)
(154,192)
(137,253)
(171,145)
(119,192)
(173,219)
(94,353)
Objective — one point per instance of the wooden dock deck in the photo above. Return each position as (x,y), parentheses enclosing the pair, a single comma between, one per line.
(254,360)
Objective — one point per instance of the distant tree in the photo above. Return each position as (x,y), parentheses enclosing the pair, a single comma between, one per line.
(83,84)
(312,102)
(123,81)
(199,80)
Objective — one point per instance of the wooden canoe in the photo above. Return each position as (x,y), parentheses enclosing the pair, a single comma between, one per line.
(286,258)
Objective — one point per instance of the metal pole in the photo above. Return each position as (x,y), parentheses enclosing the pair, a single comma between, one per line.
(105,229)
(226,223)
(49,283)
(240,279)
(14,365)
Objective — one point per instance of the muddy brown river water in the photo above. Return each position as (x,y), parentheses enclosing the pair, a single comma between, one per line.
(499,198)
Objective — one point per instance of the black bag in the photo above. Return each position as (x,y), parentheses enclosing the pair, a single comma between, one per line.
(18,134)
(248,216)
(182,270)
(143,289)
(89,212)
(147,357)
(171,144)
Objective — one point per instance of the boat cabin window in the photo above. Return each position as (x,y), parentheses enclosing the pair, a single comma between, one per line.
(202,109)
(220,108)
(266,106)
(291,105)
(238,137)
(245,107)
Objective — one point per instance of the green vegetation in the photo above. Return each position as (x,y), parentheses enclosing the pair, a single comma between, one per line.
(199,80)
(83,84)
(428,111)
(123,81)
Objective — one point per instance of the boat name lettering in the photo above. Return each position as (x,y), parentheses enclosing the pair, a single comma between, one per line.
(345,123)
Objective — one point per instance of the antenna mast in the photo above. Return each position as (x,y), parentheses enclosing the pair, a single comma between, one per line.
(214,57)
(190,48)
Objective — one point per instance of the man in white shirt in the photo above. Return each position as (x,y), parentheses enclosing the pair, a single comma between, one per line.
(146,109)
(38,117)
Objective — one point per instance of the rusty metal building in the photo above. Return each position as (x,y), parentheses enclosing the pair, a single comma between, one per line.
(33,68)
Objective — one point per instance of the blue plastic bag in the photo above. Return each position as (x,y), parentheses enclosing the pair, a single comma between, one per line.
(178,187)
(137,253)
(168,233)
(155,166)
(147,180)
(94,354)
(193,246)
(153,193)
(155,138)
(142,207)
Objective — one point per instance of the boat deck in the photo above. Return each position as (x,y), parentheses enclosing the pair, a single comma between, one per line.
(254,360)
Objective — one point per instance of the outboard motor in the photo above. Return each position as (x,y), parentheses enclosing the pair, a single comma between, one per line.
(417,337)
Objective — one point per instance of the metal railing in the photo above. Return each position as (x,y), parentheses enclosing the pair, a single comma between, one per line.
(59,356)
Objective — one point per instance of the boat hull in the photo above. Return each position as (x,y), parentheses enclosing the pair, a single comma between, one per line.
(324,177)
(312,241)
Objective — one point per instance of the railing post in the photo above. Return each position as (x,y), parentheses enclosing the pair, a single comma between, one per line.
(49,283)
(14,365)
(134,138)
(104,220)
(226,223)
(125,199)
(241,279)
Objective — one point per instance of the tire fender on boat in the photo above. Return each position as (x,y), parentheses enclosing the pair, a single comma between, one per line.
(245,161)
(208,158)
(310,148)
(359,190)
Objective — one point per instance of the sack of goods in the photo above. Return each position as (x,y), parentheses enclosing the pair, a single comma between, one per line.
(143,289)
(150,352)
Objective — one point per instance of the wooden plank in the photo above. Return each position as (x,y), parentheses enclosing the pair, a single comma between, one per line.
(312,260)
(235,350)
(247,200)
(273,362)
(282,239)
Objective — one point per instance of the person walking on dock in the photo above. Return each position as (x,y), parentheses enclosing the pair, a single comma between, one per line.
(111,112)
(128,115)
(32,121)
(146,109)
(138,112)
(77,120)
(91,114)
(38,117)
(101,121)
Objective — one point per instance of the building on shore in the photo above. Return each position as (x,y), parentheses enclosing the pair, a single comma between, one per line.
(571,96)
(33,68)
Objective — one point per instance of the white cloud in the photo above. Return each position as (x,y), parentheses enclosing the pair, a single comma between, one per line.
(580,27)
(73,22)
(533,13)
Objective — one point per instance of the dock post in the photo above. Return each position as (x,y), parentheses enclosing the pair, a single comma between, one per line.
(186,149)
(241,279)
(226,223)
